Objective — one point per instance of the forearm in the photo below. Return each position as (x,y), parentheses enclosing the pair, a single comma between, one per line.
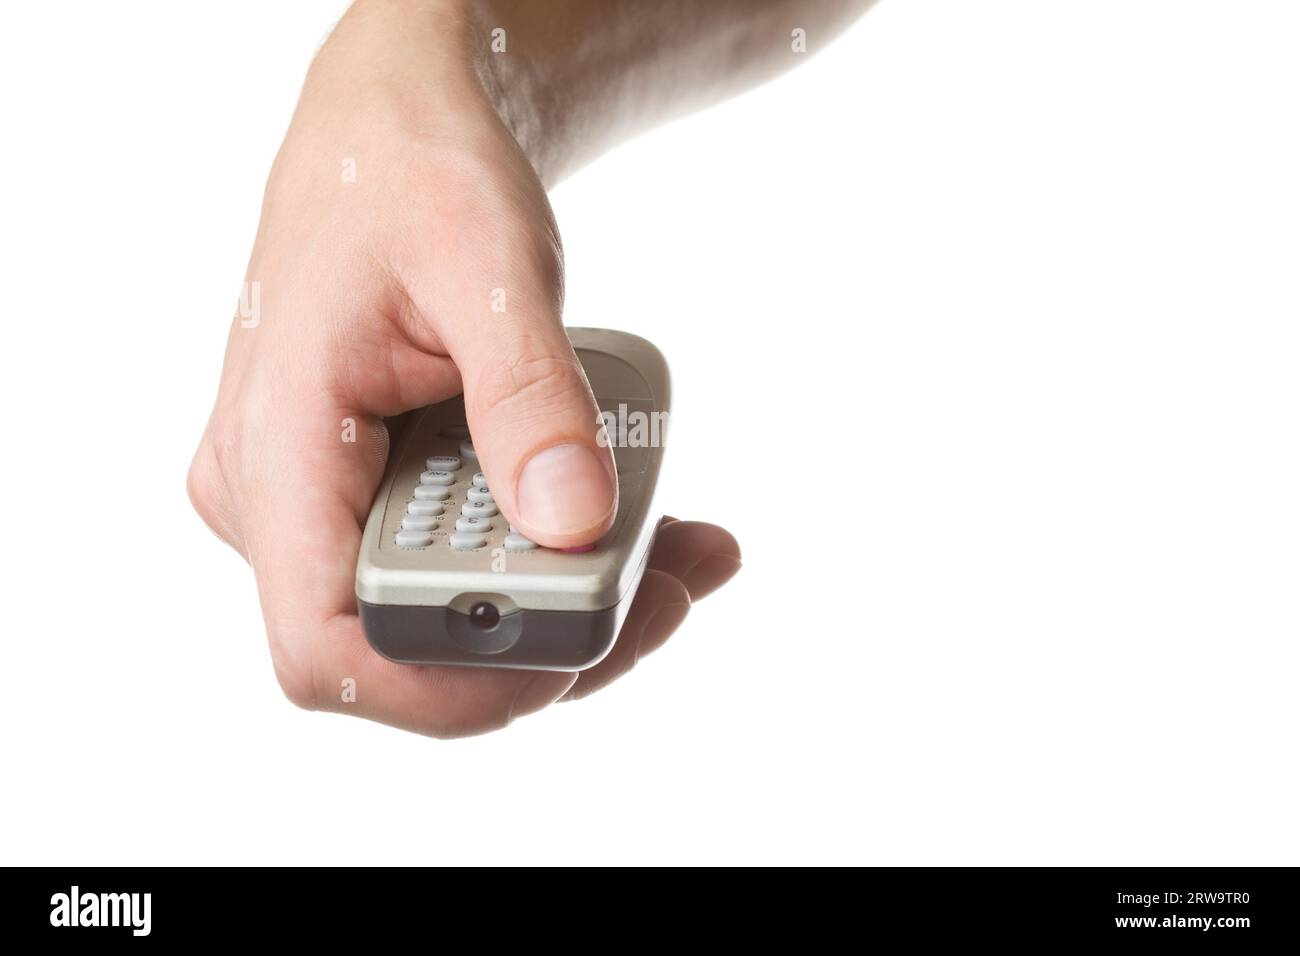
(577,76)
(581,75)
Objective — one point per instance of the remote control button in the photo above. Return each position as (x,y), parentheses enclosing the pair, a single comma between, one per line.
(414,539)
(517,542)
(432,492)
(437,477)
(419,523)
(481,493)
(480,479)
(476,525)
(467,450)
(455,431)
(442,463)
(478,509)
(424,508)
(467,540)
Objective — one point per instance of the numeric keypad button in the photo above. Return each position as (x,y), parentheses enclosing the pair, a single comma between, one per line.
(419,523)
(478,509)
(414,539)
(442,463)
(517,542)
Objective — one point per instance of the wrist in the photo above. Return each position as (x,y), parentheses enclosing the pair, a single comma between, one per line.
(427,64)
(522,79)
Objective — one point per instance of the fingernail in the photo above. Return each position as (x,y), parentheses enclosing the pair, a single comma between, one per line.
(564,490)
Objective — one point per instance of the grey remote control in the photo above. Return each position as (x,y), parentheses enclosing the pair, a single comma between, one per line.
(443,579)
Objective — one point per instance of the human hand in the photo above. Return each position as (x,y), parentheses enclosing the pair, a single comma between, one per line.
(400,215)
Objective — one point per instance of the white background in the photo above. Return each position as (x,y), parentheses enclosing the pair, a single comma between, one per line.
(984,330)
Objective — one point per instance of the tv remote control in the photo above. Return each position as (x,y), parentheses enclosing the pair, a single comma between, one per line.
(443,579)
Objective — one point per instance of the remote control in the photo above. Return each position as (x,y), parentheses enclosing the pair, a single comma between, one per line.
(443,579)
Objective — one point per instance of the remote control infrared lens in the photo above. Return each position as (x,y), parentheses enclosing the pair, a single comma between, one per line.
(484,615)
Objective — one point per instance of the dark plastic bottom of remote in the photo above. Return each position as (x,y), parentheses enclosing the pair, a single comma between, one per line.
(525,639)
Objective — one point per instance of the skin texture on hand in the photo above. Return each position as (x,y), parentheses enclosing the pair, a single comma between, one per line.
(583,75)
(406,253)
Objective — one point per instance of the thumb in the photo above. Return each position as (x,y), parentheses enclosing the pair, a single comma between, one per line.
(535,427)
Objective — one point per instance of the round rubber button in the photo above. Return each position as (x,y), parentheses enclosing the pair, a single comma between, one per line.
(442,463)
(478,509)
(414,539)
(517,542)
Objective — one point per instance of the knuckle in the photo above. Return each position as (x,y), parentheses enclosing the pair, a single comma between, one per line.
(545,256)
(530,386)
(296,677)
(198,484)
(209,494)
(298,689)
